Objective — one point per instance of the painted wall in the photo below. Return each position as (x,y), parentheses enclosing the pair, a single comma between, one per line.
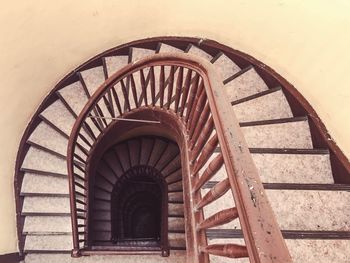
(307,42)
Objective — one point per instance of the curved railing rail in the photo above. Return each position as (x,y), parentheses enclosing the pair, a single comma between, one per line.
(189,88)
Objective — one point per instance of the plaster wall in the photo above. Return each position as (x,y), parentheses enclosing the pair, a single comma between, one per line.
(307,42)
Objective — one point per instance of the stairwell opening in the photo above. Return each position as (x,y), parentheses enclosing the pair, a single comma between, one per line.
(136,207)
(136,196)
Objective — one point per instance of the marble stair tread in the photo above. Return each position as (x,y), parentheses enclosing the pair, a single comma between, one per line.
(93,78)
(294,168)
(267,107)
(140,53)
(44,184)
(225,66)
(59,116)
(75,96)
(48,242)
(39,160)
(308,210)
(164,48)
(286,168)
(47,224)
(193,50)
(47,137)
(115,63)
(247,84)
(46,204)
(281,135)
(175,257)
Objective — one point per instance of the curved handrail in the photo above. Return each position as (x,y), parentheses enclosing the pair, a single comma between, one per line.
(262,235)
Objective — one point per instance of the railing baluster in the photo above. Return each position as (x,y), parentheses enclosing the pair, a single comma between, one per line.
(220,218)
(197,112)
(211,170)
(199,93)
(192,97)
(216,192)
(126,95)
(143,86)
(178,89)
(116,100)
(171,86)
(194,133)
(133,88)
(185,92)
(153,86)
(226,250)
(202,139)
(206,153)
(161,86)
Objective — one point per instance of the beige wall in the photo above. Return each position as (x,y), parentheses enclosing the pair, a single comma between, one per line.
(40,41)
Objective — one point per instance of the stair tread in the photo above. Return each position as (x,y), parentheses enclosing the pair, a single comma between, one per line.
(47,137)
(246,84)
(194,50)
(140,53)
(59,116)
(175,257)
(298,209)
(36,159)
(36,183)
(115,63)
(48,242)
(282,135)
(93,78)
(270,106)
(47,224)
(225,66)
(75,96)
(287,168)
(48,204)
(164,48)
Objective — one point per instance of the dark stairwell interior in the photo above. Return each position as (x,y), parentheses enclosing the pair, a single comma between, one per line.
(136,199)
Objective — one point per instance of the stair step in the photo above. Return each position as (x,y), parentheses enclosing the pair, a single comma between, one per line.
(59,116)
(36,159)
(47,204)
(93,78)
(140,53)
(48,242)
(115,63)
(269,106)
(193,50)
(298,209)
(47,137)
(164,48)
(302,168)
(75,96)
(175,257)
(44,184)
(283,135)
(47,224)
(225,66)
(294,168)
(245,85)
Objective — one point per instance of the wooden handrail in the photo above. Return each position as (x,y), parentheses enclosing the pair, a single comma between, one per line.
(209,105)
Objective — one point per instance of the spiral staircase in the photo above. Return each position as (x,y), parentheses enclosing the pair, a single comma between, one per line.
(306,182)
